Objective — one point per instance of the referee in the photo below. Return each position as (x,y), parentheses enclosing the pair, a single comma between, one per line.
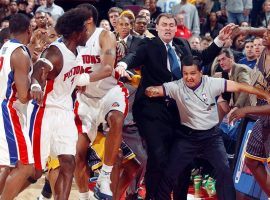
(195,96)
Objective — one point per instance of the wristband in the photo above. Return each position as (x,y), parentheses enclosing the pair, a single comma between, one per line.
(45,60)
(82,79)
(35,85)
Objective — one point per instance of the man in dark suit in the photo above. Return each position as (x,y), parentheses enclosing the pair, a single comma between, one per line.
(157,118)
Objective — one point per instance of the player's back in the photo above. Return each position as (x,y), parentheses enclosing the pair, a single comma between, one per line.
(90,56)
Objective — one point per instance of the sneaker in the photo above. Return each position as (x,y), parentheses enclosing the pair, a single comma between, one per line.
(102,191)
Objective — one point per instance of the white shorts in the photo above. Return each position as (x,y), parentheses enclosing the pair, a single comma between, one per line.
(91,112)
(15,143)
(53,132)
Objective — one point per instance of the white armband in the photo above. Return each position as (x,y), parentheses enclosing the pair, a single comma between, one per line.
(122,64)
(45,60)
(35,85)
(82,79)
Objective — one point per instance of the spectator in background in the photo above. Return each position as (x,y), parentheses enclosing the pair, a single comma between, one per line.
(205,42)
(55,10)
(113,15)
(258,46)
(51,21)
(182,30)
(105,24)
(166,5)
(238,73)
(250,57)
(140,27)
(194,42)
(41,20)
(38,41)
(4,24)
(42,2)
(4,9)
(33,24)
(146,13)
(4,36)
(191,16)
(265,15)
(154,10)
(237,10)
(13,9)
(244,24)
(212,26)
(30,8)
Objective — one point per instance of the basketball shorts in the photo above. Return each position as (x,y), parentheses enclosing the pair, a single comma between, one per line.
(53,132)
(15,144)
(91,112)
(96,152)
(258,146)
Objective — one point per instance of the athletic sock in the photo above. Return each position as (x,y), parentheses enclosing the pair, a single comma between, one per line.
(41,197)
(107,168)
(84,196)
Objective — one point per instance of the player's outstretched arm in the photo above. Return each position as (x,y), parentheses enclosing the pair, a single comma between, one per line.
(240,87)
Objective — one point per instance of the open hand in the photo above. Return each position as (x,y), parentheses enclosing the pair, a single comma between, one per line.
(226,32)
(122,72)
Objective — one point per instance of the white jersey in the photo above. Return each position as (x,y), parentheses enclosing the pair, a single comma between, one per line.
(90,57)
(14,140)
(58,91)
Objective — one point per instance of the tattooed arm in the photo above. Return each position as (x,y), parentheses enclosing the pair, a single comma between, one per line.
(108,55)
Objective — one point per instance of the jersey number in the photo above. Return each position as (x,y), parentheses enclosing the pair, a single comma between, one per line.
(1,62)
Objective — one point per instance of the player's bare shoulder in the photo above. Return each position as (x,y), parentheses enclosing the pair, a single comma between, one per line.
(107,37)
(20,58)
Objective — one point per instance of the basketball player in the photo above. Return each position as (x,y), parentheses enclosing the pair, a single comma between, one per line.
(104,101)
(52,126)
(16,151)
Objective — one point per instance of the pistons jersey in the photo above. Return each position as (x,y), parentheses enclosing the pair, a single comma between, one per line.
(15,143)
(58,91)
(90,56)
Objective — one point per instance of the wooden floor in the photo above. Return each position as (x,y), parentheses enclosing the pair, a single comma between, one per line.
(33,191)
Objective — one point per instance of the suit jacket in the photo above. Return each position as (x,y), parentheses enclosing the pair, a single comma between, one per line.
(240,73)
(133,42)
(151,54)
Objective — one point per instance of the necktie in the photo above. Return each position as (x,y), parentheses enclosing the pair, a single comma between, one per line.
(174,64)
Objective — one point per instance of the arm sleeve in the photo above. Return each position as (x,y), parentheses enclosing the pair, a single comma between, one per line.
(137,58)
(170,89)
(217,86)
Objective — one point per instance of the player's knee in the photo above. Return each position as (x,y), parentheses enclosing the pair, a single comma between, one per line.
(116,119)
(251,164)
(67,163)
(80,158)
(33,179)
